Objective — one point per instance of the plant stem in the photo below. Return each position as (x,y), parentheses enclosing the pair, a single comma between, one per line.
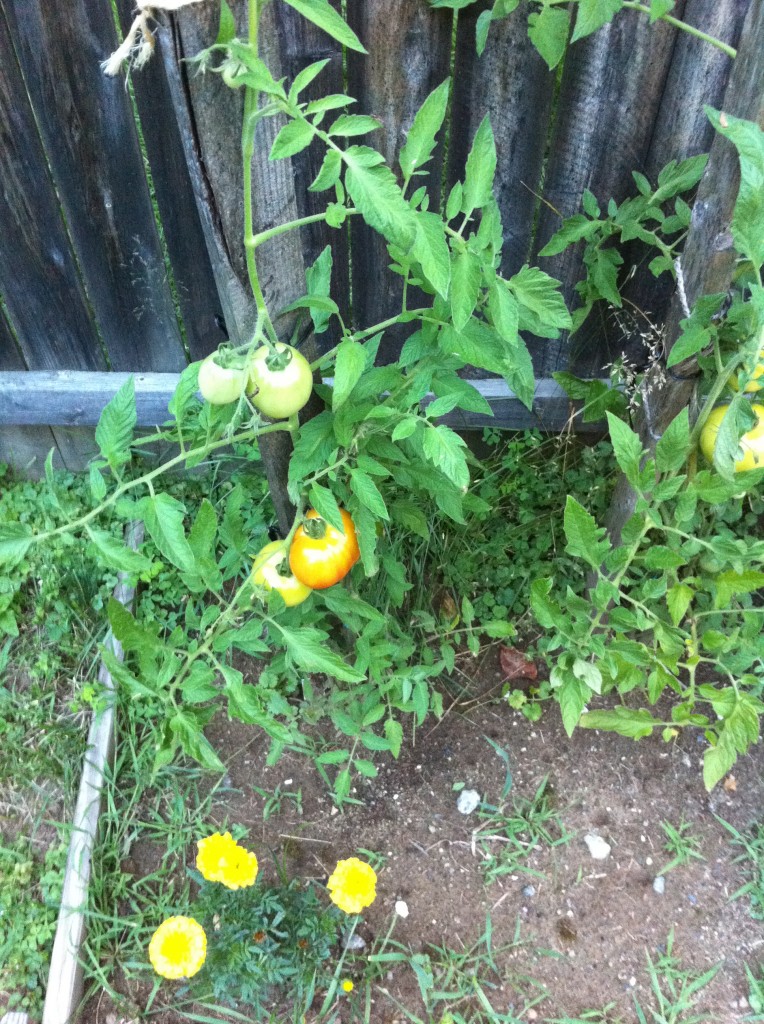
(634,5)
(247,153)
(205,449)
(280,229)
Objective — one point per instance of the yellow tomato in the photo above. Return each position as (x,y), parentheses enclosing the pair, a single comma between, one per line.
(751,444)
(755,383)
(266,572)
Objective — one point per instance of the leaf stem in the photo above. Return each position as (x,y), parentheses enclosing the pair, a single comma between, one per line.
(634,5)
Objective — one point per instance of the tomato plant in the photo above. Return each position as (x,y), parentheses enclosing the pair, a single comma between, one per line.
(280,381)
(322,555)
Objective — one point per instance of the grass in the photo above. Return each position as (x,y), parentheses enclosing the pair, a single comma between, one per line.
(752,844)
(674,990)
(512,833)
(681,844)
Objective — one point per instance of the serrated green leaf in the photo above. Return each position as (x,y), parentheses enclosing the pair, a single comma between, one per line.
(674,446)
(318,279)
(572,697)
(308,649)
(354,124)
(321,13)
(678,600)
(349,367)
(480,169)
(627,447)
(292,139)
(729,584)
(548,31)
(632,722)
(377,196)
(592,15)
(431,250)
(466,277)
(584,536)
(445,450)
(329,172)
(163,516)
(115,554)
(324,502)
(420,140)
(15,539)
(114,433)
(367,492)
(305,77)
(540,294)
(748,219)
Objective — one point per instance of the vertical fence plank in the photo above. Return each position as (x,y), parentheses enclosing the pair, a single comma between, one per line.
(91,143)
(24,448)
(409,55)
(610,93)
(514,86)
(301,43)
(191,268)
(697,77)
(38,272)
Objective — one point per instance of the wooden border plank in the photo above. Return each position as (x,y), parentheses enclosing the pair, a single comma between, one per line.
(77,399)
(64,989)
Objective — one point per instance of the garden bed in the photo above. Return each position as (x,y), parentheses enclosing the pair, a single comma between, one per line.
(579,931)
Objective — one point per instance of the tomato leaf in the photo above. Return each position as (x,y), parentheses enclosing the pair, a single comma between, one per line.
(307,647)
(349,367)
(420,141)
(15,539)
(292,139)
(114,553)
(445,449)
(324,502)
(480,169)
(321,13)
(114,432)
(592,15)
(368,493)
(163,516)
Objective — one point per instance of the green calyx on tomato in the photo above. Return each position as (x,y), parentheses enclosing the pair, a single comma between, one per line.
(751,444)
(280,381)
(266,573)
(220,382)
(321,555)
(231,71)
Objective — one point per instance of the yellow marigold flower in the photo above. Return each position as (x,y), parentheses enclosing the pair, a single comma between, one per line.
(178,948)
(347,986)
(353,885)
(221,859)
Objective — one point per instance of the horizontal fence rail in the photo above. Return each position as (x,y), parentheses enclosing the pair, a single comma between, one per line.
(76,399)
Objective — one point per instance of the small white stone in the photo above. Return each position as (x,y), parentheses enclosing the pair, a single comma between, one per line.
(401,908)
(659,885)
(355,942)
(469,800)
(598,848)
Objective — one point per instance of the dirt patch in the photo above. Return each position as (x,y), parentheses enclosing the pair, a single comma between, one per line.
(585,925)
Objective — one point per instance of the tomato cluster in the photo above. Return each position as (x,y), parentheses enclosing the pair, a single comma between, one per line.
(277,380)
(319,557)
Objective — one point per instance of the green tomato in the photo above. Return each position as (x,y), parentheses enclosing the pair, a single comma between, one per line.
(231,72)
(218,384)
(279,385)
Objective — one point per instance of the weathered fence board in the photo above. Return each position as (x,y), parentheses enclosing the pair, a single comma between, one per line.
(610,94)
(92,146)
(697,77)
(300,44)
(512,84)
(409,55)
(77,400)
(21,447)
(39,280)
(191,268)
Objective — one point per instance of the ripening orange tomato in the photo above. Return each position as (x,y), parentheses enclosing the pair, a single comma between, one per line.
(320,555)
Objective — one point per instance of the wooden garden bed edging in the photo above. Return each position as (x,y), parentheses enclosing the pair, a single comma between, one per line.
(69,398)
(65,984)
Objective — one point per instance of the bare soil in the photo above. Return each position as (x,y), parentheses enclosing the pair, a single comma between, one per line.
(585,925)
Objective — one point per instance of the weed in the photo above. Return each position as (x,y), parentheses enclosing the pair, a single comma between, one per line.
(275,801)
(675,990)
(29,894)
(755,993)
(683,846)
(752,856)
(509,836)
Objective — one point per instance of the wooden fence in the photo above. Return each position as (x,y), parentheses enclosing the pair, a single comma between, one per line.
(120,212)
